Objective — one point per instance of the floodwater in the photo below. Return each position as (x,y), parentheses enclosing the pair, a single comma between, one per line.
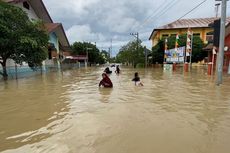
(174,112)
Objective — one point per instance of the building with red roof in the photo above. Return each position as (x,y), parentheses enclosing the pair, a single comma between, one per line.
(58,42)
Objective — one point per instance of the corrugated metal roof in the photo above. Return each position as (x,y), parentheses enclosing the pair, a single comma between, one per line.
(192,23)
(189,23)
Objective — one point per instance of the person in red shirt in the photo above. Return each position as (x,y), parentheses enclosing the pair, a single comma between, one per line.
(105,82)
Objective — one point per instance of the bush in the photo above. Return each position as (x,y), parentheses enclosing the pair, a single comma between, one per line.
(140,65)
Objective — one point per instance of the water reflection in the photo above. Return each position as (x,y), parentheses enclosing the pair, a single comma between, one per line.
(30,108)
(105,94)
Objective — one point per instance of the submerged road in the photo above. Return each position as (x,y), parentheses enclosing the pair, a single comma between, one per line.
(67,113)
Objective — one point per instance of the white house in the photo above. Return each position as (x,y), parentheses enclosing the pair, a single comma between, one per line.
(36,10)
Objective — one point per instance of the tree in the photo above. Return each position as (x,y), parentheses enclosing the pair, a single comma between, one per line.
(94,55)
(130,55)
(105,55)
(21,39)
(158,52)
(197,53)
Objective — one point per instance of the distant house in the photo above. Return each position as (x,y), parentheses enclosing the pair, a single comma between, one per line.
(209,49)
(202,27)
(199,26)
(58,42)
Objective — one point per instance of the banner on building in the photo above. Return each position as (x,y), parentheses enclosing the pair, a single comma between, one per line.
(175,55)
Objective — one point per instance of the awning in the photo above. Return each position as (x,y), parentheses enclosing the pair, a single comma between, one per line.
(209,47)
(57,28)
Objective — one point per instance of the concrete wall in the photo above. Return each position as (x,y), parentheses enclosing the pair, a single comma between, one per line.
(31,14)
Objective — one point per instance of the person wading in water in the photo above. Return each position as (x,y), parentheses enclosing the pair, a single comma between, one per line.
(117,70)
(137,80)
(105,82)
(107,70)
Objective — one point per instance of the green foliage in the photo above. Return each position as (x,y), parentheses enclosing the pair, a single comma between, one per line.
(105,55)
(21,39)
(140,65)
(158,52)
(197,54)
(113,60)
(130,55)
(81,48)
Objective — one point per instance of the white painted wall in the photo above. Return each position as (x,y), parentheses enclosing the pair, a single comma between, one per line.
(31,14)
(10,63)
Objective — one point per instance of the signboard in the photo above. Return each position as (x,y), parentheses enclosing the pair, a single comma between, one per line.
(167,67)
(175,55)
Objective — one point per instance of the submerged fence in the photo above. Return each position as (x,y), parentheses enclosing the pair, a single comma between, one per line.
(18,71)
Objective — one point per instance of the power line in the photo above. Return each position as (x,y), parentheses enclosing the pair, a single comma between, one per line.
(192,9)
(166,10)
(147,18)
(157,12)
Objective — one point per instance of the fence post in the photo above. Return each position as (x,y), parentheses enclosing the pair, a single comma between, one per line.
(16,71)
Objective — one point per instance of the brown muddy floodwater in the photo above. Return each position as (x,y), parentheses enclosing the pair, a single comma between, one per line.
(67,113)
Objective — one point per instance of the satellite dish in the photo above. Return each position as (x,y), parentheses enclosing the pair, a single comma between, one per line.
(226,48)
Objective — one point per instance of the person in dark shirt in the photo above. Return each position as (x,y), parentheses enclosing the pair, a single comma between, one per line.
(107,70)
(105,82)
(137,80)
(117,70)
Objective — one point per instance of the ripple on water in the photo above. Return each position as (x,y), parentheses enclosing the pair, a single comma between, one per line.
(69,113)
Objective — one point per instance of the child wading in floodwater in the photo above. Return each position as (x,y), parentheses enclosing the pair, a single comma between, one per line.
(137,80)
(117,70)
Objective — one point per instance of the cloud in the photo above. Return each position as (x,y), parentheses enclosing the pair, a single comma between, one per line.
(83,33)
(102,20)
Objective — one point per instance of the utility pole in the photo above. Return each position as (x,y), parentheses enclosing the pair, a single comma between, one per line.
(217,9)
(87,55)
(221,43)
(111,47)
(146,57)
(136,35)
(109,55)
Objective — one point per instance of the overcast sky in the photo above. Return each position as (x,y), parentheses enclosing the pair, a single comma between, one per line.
(101,21)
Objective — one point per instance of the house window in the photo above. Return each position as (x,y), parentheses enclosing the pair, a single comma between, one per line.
(196,34)
(26,5)
(50,53)
(209,37)
(164,36)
